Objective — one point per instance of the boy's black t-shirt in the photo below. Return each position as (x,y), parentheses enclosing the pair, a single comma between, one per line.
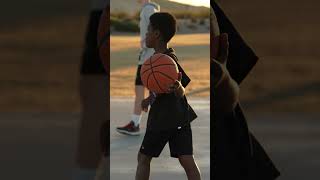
(169,111)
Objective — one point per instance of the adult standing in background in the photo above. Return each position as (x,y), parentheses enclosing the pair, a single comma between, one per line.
(133,128)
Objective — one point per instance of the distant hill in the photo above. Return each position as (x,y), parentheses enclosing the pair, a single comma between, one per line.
(131,6)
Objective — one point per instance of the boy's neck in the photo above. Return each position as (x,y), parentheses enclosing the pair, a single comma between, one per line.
(161,48)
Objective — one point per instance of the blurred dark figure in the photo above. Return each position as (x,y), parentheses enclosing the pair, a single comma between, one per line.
(236,154)
(92,154)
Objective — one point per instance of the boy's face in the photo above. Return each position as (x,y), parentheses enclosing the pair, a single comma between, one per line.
(152,37)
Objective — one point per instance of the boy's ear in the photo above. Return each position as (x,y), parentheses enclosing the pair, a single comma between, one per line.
(157,33)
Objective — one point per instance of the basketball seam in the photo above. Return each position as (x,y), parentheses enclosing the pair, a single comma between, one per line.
(156,59)
(148,79)
(141,73)
(164,75)
(157,66)
(155,76)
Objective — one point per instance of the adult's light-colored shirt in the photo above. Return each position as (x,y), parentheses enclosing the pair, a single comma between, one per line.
(147,10)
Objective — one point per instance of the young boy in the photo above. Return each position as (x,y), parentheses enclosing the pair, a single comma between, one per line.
(170,114)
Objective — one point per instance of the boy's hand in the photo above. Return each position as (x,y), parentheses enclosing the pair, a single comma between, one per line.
(173,87)
(145,104)
(177,87)
(226,90)
(176,84)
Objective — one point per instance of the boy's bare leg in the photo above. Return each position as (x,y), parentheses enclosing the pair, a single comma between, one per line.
(190,167)
(143,169)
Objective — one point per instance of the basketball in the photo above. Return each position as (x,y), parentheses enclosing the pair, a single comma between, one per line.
(103,39)
(159,72)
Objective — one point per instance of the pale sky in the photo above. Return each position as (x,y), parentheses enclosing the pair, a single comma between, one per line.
(205,3)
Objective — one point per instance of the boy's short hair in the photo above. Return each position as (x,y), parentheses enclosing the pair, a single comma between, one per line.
(165,23)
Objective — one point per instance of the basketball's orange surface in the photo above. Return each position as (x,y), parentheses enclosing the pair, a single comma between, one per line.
(159,72)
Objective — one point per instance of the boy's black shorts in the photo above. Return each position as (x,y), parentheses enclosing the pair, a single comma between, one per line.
(138,81)
(180,142)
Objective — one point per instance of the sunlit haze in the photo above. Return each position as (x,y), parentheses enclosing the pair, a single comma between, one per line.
(205,3)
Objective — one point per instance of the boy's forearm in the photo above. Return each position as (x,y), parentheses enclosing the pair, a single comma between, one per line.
(151,98)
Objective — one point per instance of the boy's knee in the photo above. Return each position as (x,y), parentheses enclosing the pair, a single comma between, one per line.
(189,165)
(188,162)
(143,159)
